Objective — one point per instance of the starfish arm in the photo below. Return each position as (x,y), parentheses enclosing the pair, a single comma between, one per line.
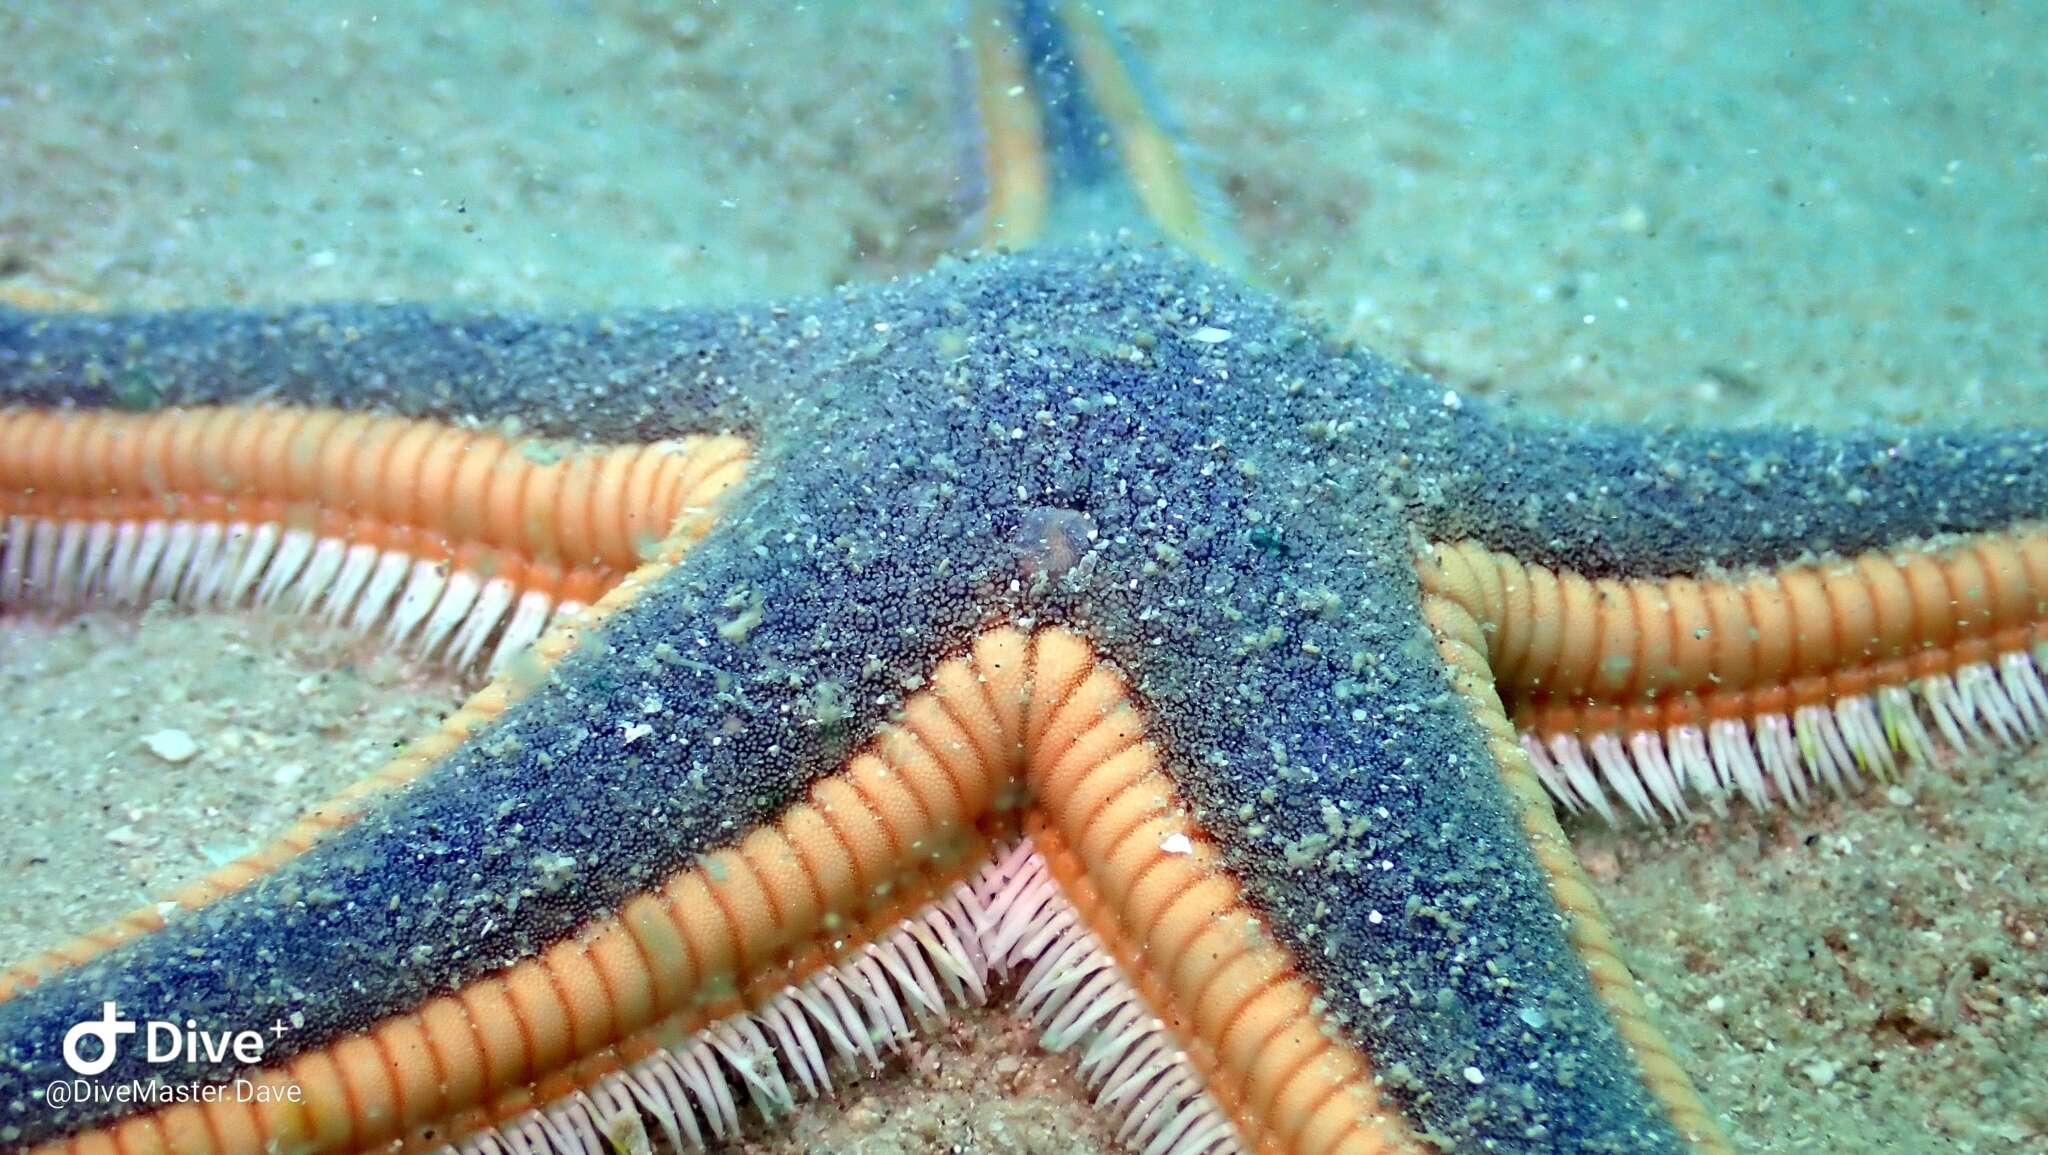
(696,714)
(1370,820)
(714,469)
(1613,502)
(630,378)
(1684,616)
(1071,140)
(1461,638)
(459,545)
(1774,684)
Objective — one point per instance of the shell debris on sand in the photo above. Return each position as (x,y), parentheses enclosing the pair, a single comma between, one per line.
(173,746)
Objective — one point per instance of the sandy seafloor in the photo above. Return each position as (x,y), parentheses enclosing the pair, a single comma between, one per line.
(1676,212)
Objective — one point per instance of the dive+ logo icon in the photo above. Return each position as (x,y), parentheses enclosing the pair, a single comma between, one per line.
(163,1042)
(108,1029)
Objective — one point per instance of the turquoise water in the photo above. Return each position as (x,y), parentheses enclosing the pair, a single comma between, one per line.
(1840,202)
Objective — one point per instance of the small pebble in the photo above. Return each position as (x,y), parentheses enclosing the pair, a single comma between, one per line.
(1898,796)
(171,745)
(1211,335)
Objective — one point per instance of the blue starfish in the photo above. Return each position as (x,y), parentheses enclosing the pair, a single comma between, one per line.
(1090,512)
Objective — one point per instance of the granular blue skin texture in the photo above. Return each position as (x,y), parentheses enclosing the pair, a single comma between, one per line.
(1256,504)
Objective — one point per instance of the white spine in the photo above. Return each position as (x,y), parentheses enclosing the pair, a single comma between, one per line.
(1011,918)
(464,621)
(1772,760)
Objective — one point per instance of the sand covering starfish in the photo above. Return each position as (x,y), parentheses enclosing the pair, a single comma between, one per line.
(1079,618)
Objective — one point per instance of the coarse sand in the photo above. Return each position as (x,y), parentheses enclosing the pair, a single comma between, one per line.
(1668,212)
